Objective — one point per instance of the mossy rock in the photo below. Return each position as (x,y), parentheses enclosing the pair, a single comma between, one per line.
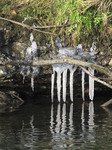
(9,101)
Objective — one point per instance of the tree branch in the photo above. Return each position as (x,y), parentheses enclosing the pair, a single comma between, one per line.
(71,61)
(95,78)
(109,102)
(66,60)
(35,28)
(26,26)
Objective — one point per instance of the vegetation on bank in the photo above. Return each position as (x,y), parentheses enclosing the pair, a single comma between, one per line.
(81,16)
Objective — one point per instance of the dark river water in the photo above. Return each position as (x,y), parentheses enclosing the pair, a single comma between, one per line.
(74,126)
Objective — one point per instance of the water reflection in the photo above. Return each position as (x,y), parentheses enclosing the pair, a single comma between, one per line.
(63,128)
(59,126)
(90,128)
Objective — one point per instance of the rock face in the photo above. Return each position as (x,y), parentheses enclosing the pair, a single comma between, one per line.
(9,101)
(14,40)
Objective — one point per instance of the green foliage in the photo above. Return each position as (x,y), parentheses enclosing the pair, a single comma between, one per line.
(80,14)
(98,20)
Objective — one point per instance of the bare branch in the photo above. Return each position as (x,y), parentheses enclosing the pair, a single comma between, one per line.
(107,103)
(69,60)
(36,28)
(26,26)
(95,78)
(66,60)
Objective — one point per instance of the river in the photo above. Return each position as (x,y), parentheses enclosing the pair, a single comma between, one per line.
(72,126)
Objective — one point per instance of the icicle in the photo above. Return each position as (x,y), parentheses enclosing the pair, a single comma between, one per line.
(83,80)
(22,72)
(71,82)
(59,85)
(34,49)
(52,85)
(71,85)
(91,84)
(30,55)
(64,84)
(31,37)
(32,83)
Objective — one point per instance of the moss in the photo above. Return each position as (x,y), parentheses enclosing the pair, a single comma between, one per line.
(88,16)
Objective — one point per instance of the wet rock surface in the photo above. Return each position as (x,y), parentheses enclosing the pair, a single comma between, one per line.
(14,40)
(9,101)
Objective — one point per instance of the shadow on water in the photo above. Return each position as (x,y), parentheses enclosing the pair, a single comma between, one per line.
(78,125)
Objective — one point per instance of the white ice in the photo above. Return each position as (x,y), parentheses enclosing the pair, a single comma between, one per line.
(61,71)
(35,72)
(34,49)
(64,84)
(52,85)
(31,52)
(59,85)
(30,55)
(58,69)
(32,83)
(67,51)
(83,82)
(31,37)
(91,84)
(72,70)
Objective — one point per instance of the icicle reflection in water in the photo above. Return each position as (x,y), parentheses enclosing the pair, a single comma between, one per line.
(59,124)
(62,69)
(30,55)
(65,126)
(91,132)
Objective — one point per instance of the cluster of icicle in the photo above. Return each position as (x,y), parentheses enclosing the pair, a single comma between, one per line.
(30,55)
(61,71)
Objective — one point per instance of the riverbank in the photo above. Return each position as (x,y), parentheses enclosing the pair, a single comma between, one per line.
(72,22)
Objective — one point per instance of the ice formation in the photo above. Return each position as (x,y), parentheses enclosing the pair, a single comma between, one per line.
(83,82)
(91,84)
(61,71)
(72,70)
(30,55)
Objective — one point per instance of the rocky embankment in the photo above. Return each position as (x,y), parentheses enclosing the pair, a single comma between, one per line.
(14,40)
